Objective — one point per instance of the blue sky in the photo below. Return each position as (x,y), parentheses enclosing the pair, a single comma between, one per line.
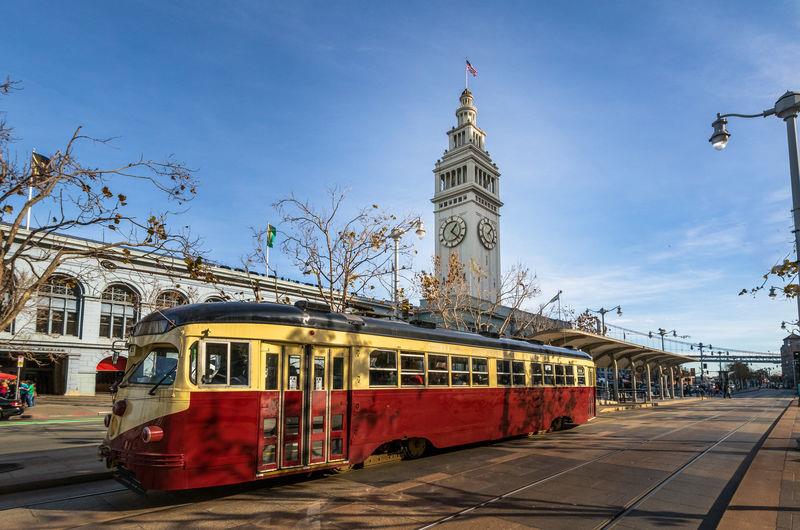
(597,113)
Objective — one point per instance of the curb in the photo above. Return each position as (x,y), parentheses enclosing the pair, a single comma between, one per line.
(54,482)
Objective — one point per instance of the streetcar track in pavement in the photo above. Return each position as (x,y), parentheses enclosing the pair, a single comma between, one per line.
(61,499)
(632,505)
(569,470)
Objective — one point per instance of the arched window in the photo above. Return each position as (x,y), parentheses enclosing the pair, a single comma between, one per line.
(213,300)
(119,311)
(170,299)
(58,306)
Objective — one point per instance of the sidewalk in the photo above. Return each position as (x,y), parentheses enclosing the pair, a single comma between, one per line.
(769,494)
(65,408)
(616,407)
(53,444)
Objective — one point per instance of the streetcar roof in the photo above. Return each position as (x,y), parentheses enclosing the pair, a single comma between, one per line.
(288,315)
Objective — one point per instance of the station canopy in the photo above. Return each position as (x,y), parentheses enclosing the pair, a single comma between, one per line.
(604,350)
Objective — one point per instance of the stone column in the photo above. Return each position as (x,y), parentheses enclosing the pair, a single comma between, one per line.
(660,382)
(680,379)
(672,382)
(649,394)
(616,381)
(633,378)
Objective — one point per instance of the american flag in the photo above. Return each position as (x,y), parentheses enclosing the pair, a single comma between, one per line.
(471,69)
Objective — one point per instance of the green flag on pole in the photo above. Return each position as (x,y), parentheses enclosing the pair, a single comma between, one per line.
(271,231)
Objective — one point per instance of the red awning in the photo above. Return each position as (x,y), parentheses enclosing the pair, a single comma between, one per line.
(107,366)
(7,376)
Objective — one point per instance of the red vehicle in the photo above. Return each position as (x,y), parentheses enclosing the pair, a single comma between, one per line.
(232,392)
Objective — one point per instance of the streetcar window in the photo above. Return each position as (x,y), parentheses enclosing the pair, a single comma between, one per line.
(518,368)
(383,368)
(548,375)
(412,369)
(570,372)
(240,364)
(480,371)
(459,371)
(581,375)
(159,364)
(503,372)
(437,370)
(338,373)
(536,374)
(560,379)
(268,456)
(318,424)
(336,422)
(292,426)
(294,373)
(270,427)
(216,364)
(271,372)
(290,451)
(319,373)
(193,362)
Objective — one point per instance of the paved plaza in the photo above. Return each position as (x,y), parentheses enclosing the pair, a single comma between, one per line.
(678,466)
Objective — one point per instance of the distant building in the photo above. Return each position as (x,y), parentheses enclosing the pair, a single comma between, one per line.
(791,345)
(68,330)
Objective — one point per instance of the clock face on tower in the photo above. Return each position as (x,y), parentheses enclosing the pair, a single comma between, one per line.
(452,231)
(487,233)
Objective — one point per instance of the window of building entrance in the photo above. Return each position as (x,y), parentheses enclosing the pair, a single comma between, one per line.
(118,312)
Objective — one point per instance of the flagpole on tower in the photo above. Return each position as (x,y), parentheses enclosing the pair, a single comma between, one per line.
(466,75)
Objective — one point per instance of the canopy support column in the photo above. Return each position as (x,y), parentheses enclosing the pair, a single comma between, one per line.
(649,394)
(616,381)
(633,379)
(672,382)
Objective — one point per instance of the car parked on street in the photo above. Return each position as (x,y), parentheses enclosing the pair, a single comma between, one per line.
(10,407)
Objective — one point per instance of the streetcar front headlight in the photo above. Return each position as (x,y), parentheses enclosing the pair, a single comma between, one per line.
(152,434)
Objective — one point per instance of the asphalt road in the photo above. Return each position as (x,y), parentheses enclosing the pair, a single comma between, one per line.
(672,466)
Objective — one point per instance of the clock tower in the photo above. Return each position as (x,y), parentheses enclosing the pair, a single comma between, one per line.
(466,203)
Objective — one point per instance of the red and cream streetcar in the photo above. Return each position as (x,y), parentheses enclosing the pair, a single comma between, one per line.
(232,392)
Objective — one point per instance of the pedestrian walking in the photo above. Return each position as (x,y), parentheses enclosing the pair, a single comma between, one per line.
(23,392)
(31,393)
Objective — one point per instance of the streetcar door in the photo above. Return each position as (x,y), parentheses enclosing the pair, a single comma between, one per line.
(339,404)
(317,406)
(270,408)
(327,405)
(294,413)
(312,425)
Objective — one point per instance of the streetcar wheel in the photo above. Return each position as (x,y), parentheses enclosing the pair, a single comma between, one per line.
(415,447)
(557,424)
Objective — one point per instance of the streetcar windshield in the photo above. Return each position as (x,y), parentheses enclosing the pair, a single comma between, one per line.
(158,363)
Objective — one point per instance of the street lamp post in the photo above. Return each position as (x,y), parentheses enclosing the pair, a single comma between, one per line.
(786,108)
(396,235)
(662,332)
(702,371)
(602,312)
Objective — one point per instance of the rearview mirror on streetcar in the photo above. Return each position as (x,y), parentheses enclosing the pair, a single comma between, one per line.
(117,347)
